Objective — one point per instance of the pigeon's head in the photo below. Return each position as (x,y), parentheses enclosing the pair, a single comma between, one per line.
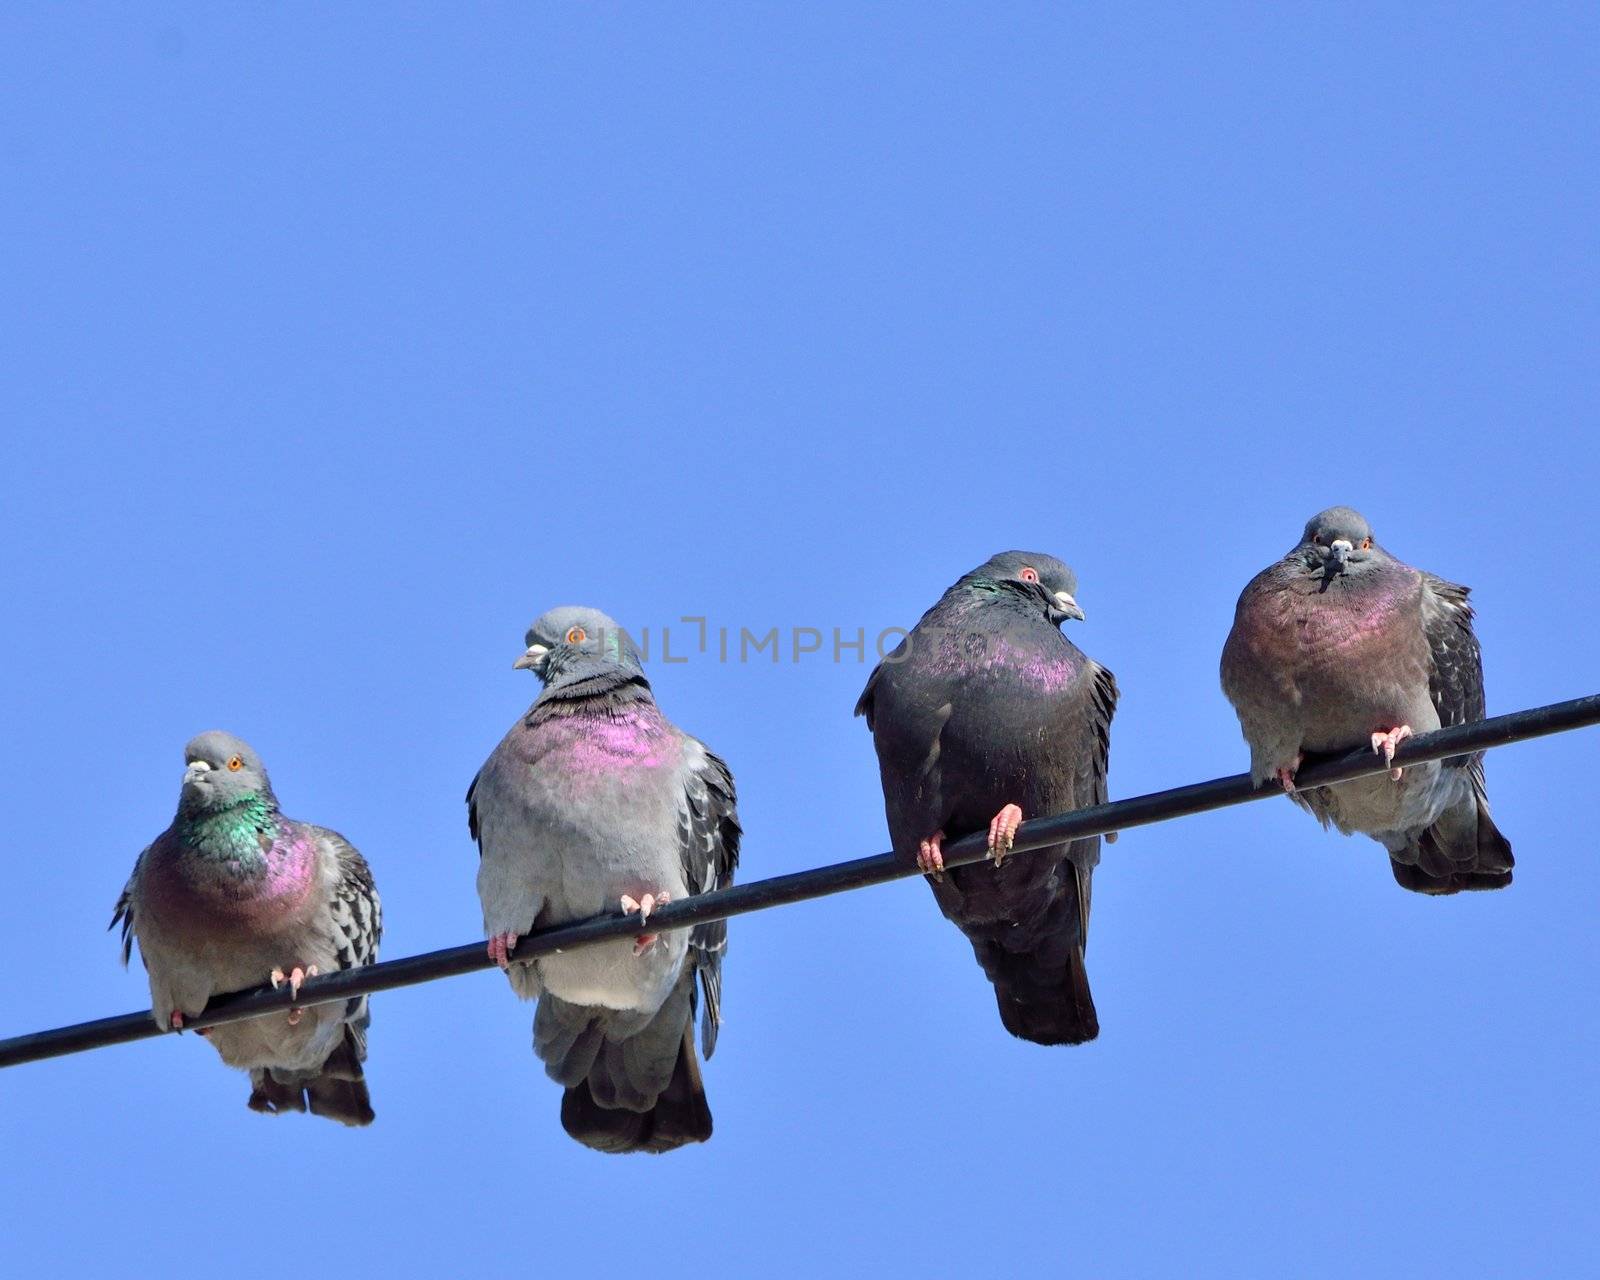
(573,641)
(1037,576)
(1337,541)
(222,771)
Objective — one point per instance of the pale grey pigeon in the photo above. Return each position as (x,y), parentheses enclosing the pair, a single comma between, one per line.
(592,801)
(1339,645)
(984,714)
(233,894)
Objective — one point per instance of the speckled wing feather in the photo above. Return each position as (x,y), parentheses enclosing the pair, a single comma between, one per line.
(1455,675)
(708,838)
(123,914)
(356,918)
(1092,771)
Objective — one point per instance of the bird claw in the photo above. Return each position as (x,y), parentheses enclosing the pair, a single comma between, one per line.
(501,946)
(1002,832)
(644,906)
(1384,744)
(175,1021)
(1285,775)
(294,978)
(930,856)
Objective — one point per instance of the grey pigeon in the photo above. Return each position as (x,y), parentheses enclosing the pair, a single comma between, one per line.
(594,799)
(233,894)
(1339,645)
(984,713)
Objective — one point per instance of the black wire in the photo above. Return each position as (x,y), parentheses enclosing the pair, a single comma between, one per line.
(1159,806)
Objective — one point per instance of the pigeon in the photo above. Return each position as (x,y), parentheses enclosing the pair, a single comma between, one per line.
(592,801)
(1338,646)
(233,894)
(985,712)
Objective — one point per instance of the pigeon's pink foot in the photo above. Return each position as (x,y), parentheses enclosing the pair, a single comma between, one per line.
(1002,831)
(1285,775)
(1385,743)
(930,855)
(294,978)
(501,946)
(644,906)
(176,1021)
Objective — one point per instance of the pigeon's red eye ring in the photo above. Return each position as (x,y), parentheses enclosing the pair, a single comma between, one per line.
(1366,543)
(235,763)
(1028,573)
(577,635)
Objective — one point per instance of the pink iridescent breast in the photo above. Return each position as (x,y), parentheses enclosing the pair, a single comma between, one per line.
(602,746)
(182,887)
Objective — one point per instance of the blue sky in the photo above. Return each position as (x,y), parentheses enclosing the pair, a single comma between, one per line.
(341,345)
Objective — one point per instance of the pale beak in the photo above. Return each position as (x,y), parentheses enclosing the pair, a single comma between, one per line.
(532,660)
(1068,606)
(1341,549)
(197,769)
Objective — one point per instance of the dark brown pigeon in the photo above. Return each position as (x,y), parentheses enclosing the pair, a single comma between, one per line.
(1339,645)
(986,712)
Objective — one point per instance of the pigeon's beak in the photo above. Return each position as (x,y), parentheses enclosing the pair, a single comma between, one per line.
(1341,549)
(1067,606)
(197,769)
(532,660)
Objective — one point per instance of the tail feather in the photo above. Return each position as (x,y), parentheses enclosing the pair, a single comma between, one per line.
(679,1116)
(1042,987)
(632,1079)
(1040,1003)
(337,1092)
(1463,850)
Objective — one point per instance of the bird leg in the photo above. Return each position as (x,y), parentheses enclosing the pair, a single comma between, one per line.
(1002,830)
(501,946)
(1285,775)
(930,856)
(1385,743)
(176,1021)
(294,978)
(644,906)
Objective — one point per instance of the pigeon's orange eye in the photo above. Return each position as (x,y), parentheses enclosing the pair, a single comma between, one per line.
(1366,544)
(1028,573)
(235,763)
(577,635)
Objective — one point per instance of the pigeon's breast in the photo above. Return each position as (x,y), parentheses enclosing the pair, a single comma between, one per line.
(589,758)
(590,806)
(188,891)
(1356,657)
(1041,662)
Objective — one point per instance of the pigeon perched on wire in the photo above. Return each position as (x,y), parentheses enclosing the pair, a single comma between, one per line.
(233,894)
(592,801)
(984,713)
(1339,645)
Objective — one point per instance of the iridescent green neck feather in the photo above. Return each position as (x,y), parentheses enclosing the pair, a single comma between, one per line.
(231,834)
